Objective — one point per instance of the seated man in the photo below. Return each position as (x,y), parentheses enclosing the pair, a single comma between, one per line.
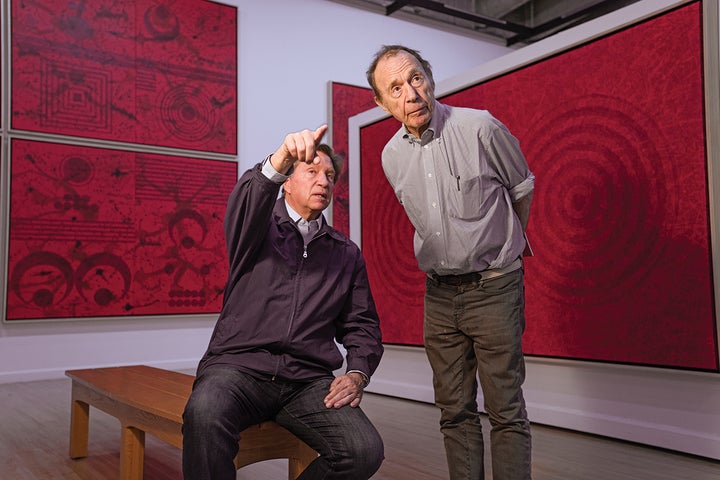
(292,291)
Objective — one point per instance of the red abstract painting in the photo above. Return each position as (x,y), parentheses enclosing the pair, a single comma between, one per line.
(346,101)
(141,72)
(96,232)
(614,132)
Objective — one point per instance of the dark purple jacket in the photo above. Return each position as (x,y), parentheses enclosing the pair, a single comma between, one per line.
(282,310)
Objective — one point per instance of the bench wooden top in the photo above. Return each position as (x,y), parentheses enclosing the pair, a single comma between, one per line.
(155,390)
(152,400)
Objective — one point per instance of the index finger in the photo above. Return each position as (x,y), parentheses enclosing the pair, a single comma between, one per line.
(319,133)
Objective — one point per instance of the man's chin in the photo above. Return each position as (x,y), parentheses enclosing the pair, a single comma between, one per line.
(418,125)
(421,120)
(319,207)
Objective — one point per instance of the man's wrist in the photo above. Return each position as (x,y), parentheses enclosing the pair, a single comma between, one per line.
(365,378)
(269,170)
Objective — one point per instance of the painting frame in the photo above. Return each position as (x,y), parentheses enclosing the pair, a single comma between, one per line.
(560,43)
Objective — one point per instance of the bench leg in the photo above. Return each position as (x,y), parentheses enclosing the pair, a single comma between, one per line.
(132,453)
(79,425)
(295,468)
(298,463)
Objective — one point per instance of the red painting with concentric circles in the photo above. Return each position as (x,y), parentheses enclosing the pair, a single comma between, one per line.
(614,132)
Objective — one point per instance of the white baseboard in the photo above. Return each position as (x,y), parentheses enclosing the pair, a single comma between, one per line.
(55,373)
(669,409)
(672,409)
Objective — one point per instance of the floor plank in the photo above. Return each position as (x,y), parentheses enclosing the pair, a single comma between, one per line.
(34,431)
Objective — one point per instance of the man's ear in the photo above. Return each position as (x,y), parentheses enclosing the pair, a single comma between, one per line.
(285,185)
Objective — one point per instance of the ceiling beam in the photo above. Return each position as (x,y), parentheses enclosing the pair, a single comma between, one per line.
(565,20)
(441,8)
(497,8)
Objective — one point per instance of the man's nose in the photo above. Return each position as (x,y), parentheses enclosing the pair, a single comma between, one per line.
(411,93)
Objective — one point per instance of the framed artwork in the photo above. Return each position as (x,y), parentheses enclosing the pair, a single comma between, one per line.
(145,72)
(96,232)
(120,155)
(345,101)
(614,131)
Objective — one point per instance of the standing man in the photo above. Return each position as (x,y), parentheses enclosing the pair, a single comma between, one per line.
(466,188)
(292,291)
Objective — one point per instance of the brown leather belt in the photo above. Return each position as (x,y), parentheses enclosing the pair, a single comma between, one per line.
(472,277)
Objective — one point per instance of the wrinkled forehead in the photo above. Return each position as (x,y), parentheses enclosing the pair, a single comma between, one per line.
(395,62)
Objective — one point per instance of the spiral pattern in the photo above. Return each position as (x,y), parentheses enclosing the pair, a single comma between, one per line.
(390,247)
(188,114)
(604,197)
(161,23)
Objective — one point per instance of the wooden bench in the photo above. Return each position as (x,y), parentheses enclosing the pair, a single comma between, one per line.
(151,400)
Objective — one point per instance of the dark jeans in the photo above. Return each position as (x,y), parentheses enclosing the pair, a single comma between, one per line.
(225,401)
(474,331)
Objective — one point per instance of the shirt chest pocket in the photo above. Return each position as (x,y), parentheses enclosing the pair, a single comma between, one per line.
(467,198)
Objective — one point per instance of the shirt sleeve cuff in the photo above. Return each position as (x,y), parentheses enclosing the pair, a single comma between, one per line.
(269,171)
(522,189)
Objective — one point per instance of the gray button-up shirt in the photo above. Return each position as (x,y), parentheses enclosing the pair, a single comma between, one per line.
(457,184)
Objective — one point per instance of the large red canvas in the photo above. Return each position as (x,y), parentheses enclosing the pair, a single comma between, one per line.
(141,72)
(346,100)
(614,132)
(96,232)
(387,235)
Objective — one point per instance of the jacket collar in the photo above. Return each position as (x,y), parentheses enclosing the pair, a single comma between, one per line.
(281,212)
(295,216)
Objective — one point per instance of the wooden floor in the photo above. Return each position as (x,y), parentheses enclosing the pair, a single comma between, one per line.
(34,423)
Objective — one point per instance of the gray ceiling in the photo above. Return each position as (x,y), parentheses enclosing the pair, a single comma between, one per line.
(509,22)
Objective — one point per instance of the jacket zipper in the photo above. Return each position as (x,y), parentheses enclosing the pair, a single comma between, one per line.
(295,296)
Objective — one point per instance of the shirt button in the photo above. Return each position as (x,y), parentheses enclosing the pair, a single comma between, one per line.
(429,175)
(434,205)
(442,262)
(437,233)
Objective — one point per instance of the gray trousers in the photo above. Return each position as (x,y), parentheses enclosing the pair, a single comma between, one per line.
(474,331)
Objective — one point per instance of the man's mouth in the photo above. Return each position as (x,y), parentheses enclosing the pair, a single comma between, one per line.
(419,111)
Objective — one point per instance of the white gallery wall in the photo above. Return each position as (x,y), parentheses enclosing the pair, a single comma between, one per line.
(288,52)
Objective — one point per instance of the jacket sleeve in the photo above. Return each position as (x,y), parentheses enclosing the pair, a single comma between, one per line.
(247,217)
(359,326)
